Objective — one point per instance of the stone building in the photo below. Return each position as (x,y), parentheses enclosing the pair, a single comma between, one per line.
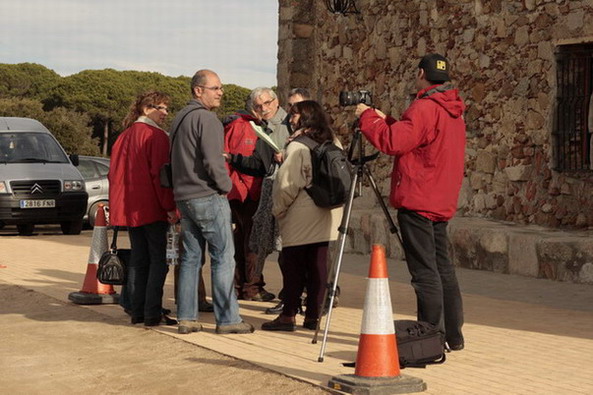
(523,67)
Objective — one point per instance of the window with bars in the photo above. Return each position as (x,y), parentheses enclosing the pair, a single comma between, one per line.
(574,108)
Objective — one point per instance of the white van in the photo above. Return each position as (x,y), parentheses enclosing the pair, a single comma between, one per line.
(39,183)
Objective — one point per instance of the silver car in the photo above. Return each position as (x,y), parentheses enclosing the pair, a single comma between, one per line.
(39,183)
(94,171)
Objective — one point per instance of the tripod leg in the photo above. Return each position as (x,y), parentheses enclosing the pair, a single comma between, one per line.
(336,269)
(392,228)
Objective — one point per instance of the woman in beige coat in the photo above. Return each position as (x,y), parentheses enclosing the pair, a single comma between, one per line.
(306,229)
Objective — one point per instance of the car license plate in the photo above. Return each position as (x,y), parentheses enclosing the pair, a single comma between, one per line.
(39,203)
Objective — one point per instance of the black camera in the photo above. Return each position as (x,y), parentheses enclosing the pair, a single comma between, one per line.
(354,98)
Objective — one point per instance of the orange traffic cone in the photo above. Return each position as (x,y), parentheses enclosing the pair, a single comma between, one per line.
(93,292)
(377,351)
(377,362)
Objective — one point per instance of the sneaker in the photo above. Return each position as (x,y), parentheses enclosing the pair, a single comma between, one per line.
(276,310)
(186,327)
(241,328)
(277,325)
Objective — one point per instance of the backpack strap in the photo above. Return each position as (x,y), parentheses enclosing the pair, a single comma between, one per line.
(308,141)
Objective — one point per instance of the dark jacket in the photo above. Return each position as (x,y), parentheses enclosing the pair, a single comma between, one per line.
(259,164)
(198,166)
(428,143)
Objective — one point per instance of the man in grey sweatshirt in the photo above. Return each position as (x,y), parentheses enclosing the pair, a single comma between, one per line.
(200,185)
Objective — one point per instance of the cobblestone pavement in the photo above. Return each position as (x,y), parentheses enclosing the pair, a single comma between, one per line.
(523,335)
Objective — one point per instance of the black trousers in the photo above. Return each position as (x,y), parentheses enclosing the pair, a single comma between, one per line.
(433,276)
(304,265)
(148,269)
(248,282)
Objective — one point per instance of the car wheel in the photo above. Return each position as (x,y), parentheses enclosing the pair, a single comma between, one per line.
(25,229)
(71,227)
(93,212)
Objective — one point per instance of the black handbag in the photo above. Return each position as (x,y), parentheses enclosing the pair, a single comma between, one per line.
(112,268)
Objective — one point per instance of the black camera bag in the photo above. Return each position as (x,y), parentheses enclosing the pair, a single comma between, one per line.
(418,344)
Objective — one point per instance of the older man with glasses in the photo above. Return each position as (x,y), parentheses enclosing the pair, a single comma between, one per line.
(266,105)
(200,185)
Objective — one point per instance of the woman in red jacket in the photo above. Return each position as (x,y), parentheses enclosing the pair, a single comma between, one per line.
(138,201)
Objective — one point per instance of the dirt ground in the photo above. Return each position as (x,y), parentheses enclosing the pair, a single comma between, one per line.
(51,347)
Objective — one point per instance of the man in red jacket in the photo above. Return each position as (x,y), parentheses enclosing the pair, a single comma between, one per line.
(428,144)
(240,138)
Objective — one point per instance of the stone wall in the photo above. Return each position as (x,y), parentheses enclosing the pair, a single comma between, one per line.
(502,55)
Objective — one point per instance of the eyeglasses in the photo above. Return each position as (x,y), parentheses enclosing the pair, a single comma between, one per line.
(160,108)
(264,104)
(212,88)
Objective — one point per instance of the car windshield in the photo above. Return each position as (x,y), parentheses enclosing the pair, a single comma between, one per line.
(30,148)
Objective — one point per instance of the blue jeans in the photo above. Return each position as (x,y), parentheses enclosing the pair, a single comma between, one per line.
(207,219)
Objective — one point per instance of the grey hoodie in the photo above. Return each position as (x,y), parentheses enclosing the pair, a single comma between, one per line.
(199,168)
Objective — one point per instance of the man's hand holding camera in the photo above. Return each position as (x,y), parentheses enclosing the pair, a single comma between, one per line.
(361,107)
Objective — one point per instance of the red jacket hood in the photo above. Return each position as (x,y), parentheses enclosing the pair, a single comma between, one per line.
(446,97)
(248,117)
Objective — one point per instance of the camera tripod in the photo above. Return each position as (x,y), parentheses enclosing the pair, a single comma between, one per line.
(360,170)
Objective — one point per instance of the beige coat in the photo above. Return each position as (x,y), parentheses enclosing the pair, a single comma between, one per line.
(301,221)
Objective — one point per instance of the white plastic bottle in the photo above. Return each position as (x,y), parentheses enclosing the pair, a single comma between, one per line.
(172,245)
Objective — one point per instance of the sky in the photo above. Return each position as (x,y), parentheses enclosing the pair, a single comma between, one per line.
(235,38)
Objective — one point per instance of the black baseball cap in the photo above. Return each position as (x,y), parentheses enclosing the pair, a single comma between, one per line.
(435,66)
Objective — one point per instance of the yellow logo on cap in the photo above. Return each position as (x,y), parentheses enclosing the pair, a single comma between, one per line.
(441,65)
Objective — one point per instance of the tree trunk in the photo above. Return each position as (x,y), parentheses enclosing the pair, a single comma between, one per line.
(105,137)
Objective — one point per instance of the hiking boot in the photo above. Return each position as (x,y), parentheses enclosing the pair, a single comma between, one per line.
(240,328)
(277,325)
(186,327)
(266,296)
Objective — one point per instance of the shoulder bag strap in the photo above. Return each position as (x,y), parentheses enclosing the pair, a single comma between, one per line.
(177,129)
(114,240)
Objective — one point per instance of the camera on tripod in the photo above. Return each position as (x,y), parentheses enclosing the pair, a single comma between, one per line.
(352,98)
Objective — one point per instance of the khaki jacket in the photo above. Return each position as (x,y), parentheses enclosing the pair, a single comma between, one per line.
(301,221)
